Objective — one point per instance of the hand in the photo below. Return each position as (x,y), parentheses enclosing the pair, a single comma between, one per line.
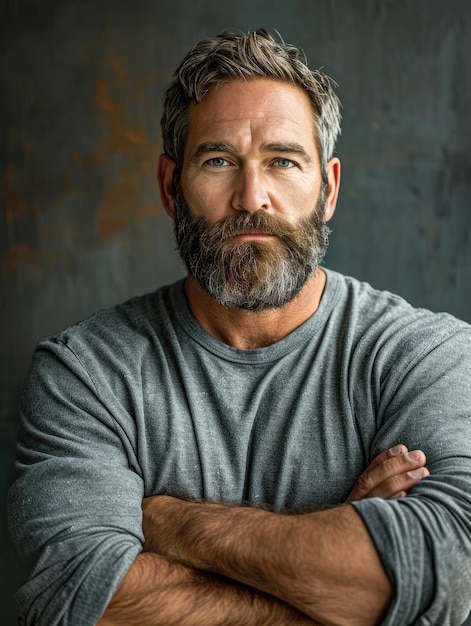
(391,475)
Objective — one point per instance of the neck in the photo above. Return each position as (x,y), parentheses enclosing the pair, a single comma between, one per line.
(249,330)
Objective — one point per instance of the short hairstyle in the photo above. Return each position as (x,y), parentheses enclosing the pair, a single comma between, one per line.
(256,54)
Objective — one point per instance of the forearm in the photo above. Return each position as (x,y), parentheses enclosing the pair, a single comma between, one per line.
(158,592)
(314,562)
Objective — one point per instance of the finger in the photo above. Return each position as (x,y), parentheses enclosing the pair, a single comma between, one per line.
(368,479)
(392,467)
(383,473)
(386,455)
(398,496)
(398,484)
(391,486)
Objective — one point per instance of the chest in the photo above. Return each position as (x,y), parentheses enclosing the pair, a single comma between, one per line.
(279,433)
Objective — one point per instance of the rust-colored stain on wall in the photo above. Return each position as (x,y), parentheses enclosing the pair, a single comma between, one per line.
(58,200)
(117,100)
(19,248)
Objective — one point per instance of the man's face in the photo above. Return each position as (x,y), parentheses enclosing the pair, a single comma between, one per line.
(249,210)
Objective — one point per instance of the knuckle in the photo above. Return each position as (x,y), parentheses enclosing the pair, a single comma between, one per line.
(364,483)
(398,483)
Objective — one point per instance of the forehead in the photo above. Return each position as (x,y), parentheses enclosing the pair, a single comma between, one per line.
(256,111)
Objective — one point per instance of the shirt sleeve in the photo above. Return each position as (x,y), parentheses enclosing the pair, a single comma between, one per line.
(75,506)
(424,540)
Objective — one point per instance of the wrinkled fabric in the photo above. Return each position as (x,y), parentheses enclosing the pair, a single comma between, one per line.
(140,400)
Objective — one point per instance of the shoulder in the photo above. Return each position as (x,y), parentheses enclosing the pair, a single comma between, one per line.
(117,332)
(361,301)
(379,319)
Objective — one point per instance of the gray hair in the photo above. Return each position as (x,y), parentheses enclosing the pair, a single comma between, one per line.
(248,56)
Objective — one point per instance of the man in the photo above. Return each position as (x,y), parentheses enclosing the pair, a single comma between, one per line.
(268,415)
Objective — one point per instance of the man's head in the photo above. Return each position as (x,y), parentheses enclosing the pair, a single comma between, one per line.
(247,172)
(246,56)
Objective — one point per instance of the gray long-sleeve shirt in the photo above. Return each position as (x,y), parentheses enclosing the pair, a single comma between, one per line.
(140,400)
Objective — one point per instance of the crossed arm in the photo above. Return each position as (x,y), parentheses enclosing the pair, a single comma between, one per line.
(213,564)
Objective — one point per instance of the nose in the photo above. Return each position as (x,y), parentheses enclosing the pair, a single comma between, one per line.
(251,191)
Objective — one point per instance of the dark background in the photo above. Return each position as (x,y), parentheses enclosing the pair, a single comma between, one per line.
(82,226)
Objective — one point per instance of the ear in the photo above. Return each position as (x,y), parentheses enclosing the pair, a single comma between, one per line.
(165,169)
(333,177)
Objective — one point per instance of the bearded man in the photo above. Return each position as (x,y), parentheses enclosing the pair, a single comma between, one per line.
(249,445)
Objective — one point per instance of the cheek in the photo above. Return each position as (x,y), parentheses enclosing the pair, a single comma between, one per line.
(297,198)
(206,198)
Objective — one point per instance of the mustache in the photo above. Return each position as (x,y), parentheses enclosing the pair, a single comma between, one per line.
(246,222)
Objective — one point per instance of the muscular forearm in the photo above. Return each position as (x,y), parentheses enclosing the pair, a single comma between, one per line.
(322,563)
(158,592)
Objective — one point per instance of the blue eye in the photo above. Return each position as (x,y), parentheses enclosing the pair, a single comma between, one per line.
(284,163)
(218,162)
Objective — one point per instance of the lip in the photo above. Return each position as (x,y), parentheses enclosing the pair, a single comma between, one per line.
(253,234)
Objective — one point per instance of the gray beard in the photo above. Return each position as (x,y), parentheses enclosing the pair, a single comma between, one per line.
(251,275)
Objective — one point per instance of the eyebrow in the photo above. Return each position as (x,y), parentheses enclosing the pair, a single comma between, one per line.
(207,147)
(288,148)
(280,147)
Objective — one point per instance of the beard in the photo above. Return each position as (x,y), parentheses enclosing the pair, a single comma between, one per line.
(251,275)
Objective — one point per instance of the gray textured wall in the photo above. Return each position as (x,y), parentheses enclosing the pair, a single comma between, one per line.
(82,226)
